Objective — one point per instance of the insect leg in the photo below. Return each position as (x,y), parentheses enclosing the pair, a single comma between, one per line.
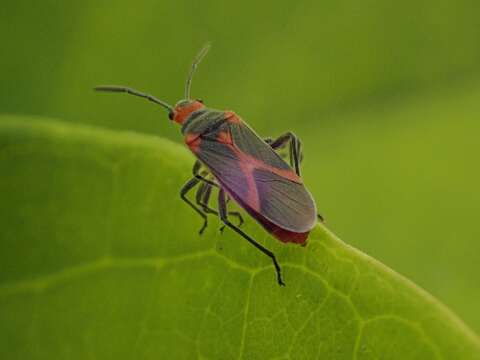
(201,192)
(183,192)
(295,148)
(206,196)
(222,208)
(204,192)
(202,198)
(268,140)
(196,172)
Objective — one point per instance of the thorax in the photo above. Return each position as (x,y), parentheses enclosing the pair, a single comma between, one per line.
(202,122)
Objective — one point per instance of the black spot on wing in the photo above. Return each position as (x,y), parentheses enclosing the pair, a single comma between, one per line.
(285,203)
(224,165)
(250,143)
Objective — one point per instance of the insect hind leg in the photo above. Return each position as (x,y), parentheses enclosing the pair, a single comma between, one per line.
(222,208)
(295,148)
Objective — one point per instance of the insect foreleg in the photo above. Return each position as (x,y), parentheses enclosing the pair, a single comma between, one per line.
(295,148)
(183,194)
(222,208)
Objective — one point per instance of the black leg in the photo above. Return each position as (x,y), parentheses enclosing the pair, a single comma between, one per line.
(201,192)
(222,208)
(204,192)
(203,197)
(295,148)
(183,192)
(201,176)
(206,196)
(269,141)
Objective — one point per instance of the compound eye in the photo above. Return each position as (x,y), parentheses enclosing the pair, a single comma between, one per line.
(170,115)
(200,101)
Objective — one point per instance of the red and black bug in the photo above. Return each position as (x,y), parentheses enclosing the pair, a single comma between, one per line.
(244,167)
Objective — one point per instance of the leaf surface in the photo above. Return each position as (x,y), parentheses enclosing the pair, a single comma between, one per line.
(100,259)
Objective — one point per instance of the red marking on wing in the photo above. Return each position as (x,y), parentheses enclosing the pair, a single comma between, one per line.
(232,118)
(253,200)
(193,141)
(285,173)
(224,137)
(237,171)
(248,164)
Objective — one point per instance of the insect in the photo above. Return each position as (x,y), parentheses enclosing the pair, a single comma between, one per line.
(243,167)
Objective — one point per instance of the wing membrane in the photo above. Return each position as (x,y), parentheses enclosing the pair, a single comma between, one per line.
(284,200)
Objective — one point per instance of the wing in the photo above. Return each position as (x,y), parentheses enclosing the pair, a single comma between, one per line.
(285,203)
(256,177)
(248,142)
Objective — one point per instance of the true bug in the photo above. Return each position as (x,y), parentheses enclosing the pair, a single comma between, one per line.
(243,166)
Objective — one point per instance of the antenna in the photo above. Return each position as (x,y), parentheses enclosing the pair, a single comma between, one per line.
(123,89)
(195,63)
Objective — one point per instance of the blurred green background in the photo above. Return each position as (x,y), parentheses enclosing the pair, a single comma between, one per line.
(385,96)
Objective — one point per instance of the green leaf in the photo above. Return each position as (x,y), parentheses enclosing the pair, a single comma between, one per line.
(100,259)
